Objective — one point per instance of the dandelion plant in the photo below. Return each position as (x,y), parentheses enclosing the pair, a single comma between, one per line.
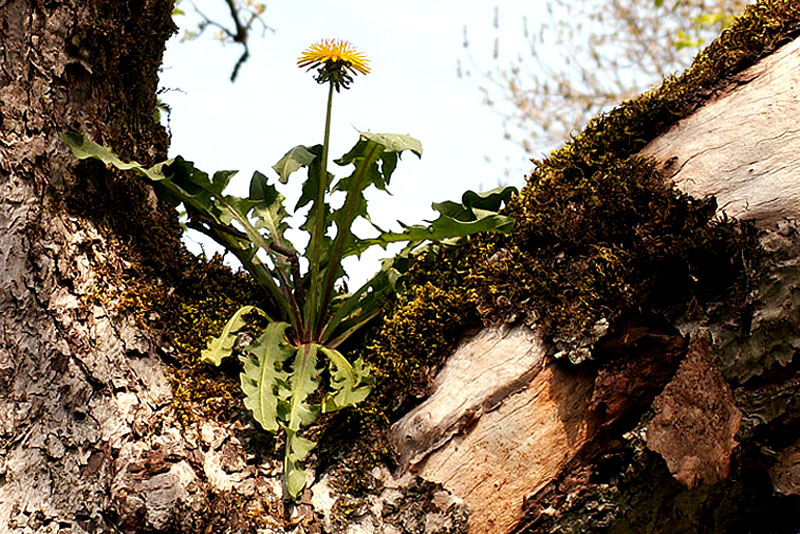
(308,318)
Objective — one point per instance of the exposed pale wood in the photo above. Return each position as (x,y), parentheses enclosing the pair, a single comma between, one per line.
(517,449)
(482,372)
(492,454)
(744,147)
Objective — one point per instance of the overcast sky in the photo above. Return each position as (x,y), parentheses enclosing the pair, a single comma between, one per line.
(413,89)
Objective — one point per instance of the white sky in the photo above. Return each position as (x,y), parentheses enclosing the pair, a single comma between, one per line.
(413,89)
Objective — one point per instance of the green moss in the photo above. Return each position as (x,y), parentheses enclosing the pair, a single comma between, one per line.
(599,232)
(189,313)
(427,321)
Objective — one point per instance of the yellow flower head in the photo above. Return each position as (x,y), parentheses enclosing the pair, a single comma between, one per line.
(336,59)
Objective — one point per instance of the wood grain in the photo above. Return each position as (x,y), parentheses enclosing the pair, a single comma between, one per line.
(744,147)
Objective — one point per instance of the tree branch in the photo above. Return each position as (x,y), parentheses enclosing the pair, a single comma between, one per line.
(241,28)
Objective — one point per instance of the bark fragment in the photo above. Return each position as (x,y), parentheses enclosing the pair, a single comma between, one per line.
(696,421)
(785,474)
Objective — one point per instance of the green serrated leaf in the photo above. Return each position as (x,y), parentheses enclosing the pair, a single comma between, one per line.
(84,148)
(178,178)
(491,200)
(317,224)
(350,384)
(375,158)
(365,156)
(263,379)
(229,208)
(297,448)
(446,227)
(391,147)
(221,347)
(475,206)
(280,381)
(443,228)
(221,180)
(395,142)
(311,184)
(261,190)
(190,181)
(454,210)
(269,210)
(304,381)
(295,159)
(300,447)
(297,412)
(477,213)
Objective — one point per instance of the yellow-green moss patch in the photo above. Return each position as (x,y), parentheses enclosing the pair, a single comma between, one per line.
(206,294)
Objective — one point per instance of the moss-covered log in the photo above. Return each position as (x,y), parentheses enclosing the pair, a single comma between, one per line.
(652,274)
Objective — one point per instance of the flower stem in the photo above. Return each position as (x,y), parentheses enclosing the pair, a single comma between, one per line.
(313,313)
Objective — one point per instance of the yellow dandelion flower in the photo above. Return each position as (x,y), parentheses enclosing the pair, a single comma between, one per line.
(336,60)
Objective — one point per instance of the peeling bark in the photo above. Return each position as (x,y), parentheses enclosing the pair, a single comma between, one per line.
(695,422)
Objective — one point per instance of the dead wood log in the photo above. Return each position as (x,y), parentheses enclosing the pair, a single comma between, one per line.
(518,461)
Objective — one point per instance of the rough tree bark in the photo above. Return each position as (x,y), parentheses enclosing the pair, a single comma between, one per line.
(511,438)
(77,379)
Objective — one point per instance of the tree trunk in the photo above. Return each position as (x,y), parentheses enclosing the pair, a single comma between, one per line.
(87,443)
